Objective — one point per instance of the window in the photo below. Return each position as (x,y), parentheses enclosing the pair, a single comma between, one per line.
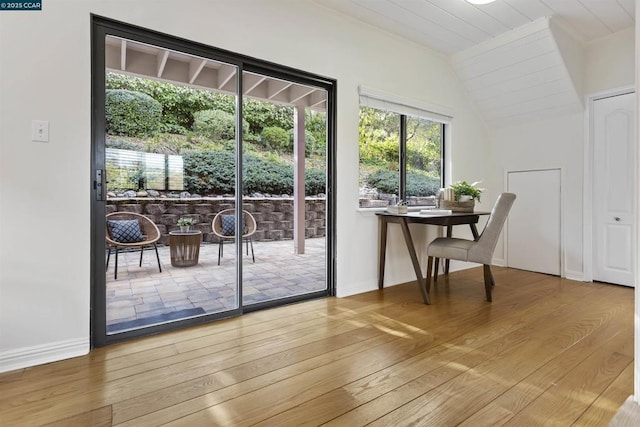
(401,153)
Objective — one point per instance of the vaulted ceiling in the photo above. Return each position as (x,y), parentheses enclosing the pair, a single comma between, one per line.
(450,26)
(519,60)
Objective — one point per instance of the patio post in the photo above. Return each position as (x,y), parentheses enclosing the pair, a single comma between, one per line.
(299,219)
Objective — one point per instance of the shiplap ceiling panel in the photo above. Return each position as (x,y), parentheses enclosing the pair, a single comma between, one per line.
(472,24)
(428,26)
(509,86)
(577,16)
(531,9)
(472,16)
(434,15)
(629,6)
(521,73)
(534,45)
(612,18)
(421,34)
(532,65)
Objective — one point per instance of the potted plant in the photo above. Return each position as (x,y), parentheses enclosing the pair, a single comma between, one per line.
(463,191)
(185,223)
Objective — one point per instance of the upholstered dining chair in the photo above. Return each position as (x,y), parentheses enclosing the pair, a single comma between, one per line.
(224,226)
(129,230)
(480,251)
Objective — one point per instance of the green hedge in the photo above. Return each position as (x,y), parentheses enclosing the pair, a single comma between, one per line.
(217,125)
(213,172)
(418,184)
(180,104)
(131,113)
(273,137)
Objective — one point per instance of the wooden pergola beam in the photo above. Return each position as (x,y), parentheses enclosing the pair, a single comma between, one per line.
(252,81)
(275,87)
(299,208)
(162,62)
(140,59)
(123,55)
(225,74)
(296,93)
(195,67)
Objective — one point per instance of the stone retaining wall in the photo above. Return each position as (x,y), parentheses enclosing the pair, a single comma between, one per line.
(274,216)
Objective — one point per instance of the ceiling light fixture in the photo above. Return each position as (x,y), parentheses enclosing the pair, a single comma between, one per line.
(480,1)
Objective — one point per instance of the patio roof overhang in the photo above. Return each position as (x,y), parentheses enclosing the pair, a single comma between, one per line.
(143,60)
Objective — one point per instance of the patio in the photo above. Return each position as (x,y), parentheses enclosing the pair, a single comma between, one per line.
(143,296)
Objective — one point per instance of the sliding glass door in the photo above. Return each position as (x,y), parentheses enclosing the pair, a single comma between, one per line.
(284,189)
(211,175)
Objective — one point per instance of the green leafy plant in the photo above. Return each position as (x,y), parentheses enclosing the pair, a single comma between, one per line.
(186,221)
(131,113)
(276,138)
(463,188)
(217,125)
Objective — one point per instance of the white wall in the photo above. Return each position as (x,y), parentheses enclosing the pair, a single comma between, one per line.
(45,75)
(610,62)
(555,143)
(560,142)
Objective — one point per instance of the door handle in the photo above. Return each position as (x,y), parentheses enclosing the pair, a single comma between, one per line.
(617,218)
(100,185)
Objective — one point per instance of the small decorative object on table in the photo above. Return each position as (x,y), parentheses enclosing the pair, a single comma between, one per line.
(462,196)
(185,223)
(398,208)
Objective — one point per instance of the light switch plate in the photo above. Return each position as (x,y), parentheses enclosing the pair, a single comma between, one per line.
(40,130)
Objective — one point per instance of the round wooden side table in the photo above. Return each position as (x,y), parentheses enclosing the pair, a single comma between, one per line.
(184,247)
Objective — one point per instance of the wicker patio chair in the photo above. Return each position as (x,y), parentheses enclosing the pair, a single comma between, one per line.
(128,230)
(224,226)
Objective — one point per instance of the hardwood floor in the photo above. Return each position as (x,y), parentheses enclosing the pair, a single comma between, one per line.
(547,351)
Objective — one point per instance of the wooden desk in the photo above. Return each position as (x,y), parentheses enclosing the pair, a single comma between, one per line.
(448,220)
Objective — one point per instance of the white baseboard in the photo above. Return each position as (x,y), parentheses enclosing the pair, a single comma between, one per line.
(500,262)
(362,287)
(574,275)
(355,288)
(45,353)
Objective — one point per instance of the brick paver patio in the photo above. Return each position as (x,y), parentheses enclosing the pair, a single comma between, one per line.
(143,296)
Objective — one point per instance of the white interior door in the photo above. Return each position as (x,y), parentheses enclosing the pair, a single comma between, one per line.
(614,189)
(533,225)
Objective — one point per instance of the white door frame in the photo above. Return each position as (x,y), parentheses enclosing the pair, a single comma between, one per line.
(587,212)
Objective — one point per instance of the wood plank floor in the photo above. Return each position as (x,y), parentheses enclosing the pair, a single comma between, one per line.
(547,351)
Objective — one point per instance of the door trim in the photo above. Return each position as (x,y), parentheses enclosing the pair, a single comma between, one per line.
(587,198)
